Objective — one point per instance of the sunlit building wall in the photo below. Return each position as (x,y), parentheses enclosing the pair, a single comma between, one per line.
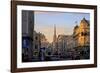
(82,33)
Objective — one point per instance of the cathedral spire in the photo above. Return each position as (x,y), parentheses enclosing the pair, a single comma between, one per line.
(54,41)
(54,37)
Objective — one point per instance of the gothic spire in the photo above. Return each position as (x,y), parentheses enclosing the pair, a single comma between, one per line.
(54,37)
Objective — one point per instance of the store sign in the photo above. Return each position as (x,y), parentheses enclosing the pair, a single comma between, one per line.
(25,43)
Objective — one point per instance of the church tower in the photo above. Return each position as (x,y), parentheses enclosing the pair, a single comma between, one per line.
(54,41)
(54,37)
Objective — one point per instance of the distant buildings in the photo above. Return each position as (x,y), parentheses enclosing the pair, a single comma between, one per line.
(70,42)
(45,45)
(62,44)
(44,42)
(39,42)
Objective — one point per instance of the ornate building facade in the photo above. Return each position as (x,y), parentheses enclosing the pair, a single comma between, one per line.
(36,45)
(81,33)
(39,43)
(81,36)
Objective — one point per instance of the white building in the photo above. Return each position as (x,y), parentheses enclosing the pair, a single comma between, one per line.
(65,43)
(62,44)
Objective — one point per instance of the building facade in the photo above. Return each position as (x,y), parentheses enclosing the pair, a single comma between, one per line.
(40,45)
(70,42)
(27,34)
(62,44)
(81,36)
(65,44)
(82,33)
(36,45)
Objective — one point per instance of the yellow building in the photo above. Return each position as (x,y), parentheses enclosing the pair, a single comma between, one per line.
(82,33)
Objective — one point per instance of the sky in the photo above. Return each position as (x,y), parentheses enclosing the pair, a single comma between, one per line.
(64,22)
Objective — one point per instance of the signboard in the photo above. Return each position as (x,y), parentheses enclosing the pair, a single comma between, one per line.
(25,43)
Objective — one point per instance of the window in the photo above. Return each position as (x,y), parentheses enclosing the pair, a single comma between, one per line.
(36,46)
(82,34)
(36,38)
